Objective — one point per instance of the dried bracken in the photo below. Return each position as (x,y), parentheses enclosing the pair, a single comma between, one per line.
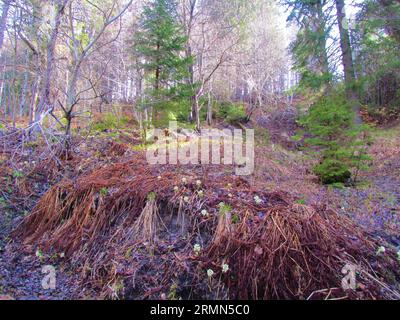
(107,221)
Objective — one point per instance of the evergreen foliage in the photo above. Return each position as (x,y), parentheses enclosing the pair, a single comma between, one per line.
(159,44)
(231,112)
(332,131)
(377,42)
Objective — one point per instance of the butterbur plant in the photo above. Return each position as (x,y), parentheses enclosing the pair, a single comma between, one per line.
(196,249)
(17,174)
(151,196)
(204,213)
(257,199)
(224,208)
(381,250)
(103,192)
(39,254)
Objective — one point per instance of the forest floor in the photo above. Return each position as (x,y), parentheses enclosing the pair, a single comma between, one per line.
(373,205)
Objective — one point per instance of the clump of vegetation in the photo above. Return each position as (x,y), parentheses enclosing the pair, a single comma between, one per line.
(110,121)
(330,122)
(233,113)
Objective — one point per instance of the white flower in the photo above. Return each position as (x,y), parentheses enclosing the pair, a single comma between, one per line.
(225,268)
(176,189)
(159,177)
(229,185)
(197,249)
(398,255)
(200,193)
(381,249)
(230,195)
(210,273)
(184,180)
(257,199)
(221,204)
(186,199)
(204,213)
(198,183)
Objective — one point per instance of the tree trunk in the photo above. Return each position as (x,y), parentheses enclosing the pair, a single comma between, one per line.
(44,100)
(198,125)
(347,60)
(209,109)
(3,20)
(22,105)
(3,24)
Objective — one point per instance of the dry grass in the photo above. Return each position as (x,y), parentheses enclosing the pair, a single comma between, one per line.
(275,249)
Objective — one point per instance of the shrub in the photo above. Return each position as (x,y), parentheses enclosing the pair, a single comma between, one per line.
(110,121)
(332,171)
(331,129)
(232,112)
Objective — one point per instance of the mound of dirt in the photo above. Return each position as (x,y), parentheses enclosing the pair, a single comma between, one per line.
(137,231)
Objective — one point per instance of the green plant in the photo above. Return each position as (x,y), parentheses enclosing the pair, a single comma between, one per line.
(118,287)
(40,255)
(110,121)
(103,191)
(332,132)
(301,201)
(332,171)
(172,294)
(224,208)
(18,174)
(231,112)
(151,196)
(160,41)
(235,218)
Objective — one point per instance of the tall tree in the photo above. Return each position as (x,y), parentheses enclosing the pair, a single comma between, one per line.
(160,43)
(3,24)
(3,19)
(83,44)
(310,47)
(347,59)
(44,102)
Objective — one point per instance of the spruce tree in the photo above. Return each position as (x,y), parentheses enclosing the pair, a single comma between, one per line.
(159,45)
(309,48)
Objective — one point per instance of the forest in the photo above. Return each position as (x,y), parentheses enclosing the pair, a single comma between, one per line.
(199,150)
